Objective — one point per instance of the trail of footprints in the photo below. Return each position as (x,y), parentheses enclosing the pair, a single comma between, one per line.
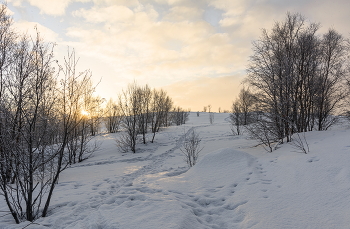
(208,208)
(211,208)
(266,183)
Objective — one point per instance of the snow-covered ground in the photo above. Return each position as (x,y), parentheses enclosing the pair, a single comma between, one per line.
(235,184)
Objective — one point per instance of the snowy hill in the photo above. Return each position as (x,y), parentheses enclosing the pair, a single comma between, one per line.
(235,184)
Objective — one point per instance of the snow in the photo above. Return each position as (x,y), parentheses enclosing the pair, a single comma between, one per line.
(235,184)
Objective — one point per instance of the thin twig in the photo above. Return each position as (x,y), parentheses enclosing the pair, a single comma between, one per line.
(30,224)
(5,215)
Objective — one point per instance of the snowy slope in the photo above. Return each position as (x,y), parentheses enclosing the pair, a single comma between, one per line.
(234,184)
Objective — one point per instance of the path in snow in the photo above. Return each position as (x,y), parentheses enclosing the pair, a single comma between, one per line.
(115,190)
(233,185)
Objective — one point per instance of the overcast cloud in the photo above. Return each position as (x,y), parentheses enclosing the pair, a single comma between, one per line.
(197,50)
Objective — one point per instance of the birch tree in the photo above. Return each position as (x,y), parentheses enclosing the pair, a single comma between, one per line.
(298,75)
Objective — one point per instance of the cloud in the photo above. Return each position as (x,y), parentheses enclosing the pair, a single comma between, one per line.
(49,7)
(110,14)
(175,46)
(183,13)
(173,49)
(175,42)
(16,2)
(52,7)
(169,2)
(127,3)
(25,27)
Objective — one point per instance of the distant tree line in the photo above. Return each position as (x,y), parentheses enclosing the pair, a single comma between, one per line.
(299,78)
(139,111)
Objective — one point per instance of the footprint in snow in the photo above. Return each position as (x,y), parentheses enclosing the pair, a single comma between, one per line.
(232,191)
(313,159)
(234,206)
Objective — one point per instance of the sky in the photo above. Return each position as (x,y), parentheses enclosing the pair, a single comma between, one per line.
(197,50)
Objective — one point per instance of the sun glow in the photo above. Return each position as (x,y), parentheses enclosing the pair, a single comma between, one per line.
(84,113)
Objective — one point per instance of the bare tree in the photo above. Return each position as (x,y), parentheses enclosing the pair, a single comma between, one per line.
(236,118)
(168,105)
(35,144)
(186,116)
(298,76)
(191,148)
(242,111)
(30,98)
(36,117)
(159,110)
(92,109)
(68,108)
(143,109)
(246,102)
(79,145)
(179,116)
(7,49)
(264,132)
(209,108)
(299,142)
(331,81)
(113,116)
(130,106)
(145,96)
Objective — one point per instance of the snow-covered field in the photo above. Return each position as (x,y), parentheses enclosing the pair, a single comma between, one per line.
(235,184)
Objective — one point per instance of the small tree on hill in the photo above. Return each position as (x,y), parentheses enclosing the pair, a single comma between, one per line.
(191,148)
